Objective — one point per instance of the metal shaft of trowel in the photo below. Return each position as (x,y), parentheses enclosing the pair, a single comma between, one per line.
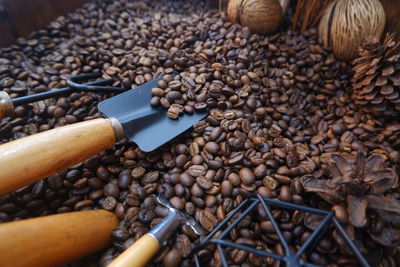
(172,221)
(144,249)
(166,227)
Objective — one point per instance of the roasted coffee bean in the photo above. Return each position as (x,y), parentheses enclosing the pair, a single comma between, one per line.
(138,172)
(186,179)
(178,203)
(174,111)
(83,204)
(109,203)
(95,183)
(196,170)
(207,220)
(172,258)
(204,182)
(120,234)
(150,177)
(146,215)
(157,92)
(238,256)
(339,128)
(276,107)
(226,188)
(234,179)
(124,181)
(184,245)
(285,194)
(247,176)
(111,189)
(212,147)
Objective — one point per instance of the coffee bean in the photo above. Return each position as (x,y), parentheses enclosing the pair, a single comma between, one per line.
(162,84)
(150,177)
(339,128)
(276,107)
(95,183)
(172,258)
(157,92)
(83,204)
(138,173)
(124,181)
(234,179)
(146,215)
(184,245)
(270,183)
(285,194)
(120,234)
(226,188)
(186,179)
(109,203)
(212,147)
(238,256)
(197,170)
(207,220)
(111,189)
(178,203)
(247,176)
(204,182)
(174,111)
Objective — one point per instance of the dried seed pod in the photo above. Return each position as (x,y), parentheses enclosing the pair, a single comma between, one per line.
(261,16)
(346,23)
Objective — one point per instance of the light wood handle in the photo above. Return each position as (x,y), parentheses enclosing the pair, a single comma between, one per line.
(35,157)
(55,239)
(138,254)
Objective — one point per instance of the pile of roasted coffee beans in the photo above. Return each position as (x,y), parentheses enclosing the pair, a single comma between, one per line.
(278,105)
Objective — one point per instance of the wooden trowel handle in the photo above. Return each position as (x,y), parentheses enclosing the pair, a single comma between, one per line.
(35,157)
(55,239)
(138,254)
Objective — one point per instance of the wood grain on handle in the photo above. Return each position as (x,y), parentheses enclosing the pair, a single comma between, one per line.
(35,157)
(55,239)
(138,254)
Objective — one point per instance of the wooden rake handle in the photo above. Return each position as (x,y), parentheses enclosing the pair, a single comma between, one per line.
(29,159)
(55,239)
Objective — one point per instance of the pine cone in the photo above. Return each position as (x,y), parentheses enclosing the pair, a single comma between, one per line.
(360,182)
(376,79)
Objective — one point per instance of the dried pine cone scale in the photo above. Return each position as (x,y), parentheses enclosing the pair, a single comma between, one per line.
(361,184)
(376,79)
(357,208)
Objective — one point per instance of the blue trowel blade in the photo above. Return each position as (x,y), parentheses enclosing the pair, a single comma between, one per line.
(148,127)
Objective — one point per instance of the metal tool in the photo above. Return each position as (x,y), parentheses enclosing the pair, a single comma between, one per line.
(144,249)
(131,115)
(290,259)
(148,127)
(7,104)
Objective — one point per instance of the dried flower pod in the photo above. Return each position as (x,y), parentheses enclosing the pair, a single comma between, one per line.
(346,23)
(261,16)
